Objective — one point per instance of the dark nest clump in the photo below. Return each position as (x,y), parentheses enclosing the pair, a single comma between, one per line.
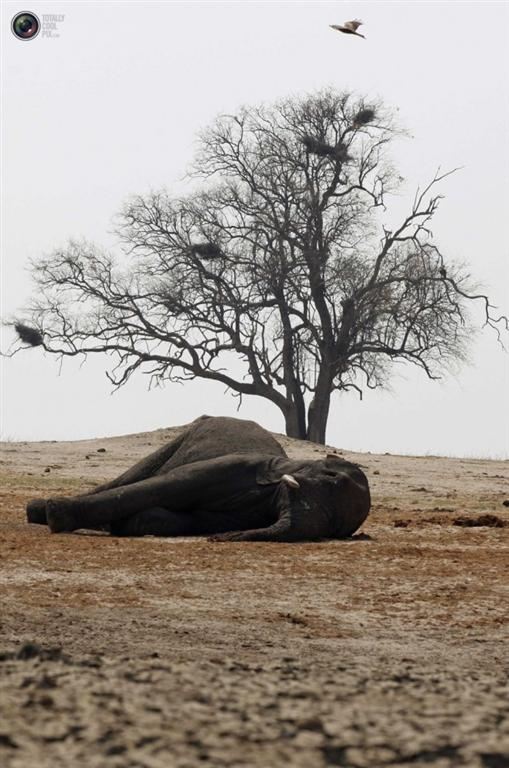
(491,521)
(28,335)
(206,250)
(363,117)
(340,153)
(171,301)
(320,148)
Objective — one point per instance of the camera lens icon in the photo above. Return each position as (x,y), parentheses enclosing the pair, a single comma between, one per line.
(25,25)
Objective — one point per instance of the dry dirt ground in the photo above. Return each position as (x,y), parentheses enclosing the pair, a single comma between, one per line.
(389,649)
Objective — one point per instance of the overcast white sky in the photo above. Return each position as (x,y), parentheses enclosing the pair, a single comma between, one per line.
(112,106)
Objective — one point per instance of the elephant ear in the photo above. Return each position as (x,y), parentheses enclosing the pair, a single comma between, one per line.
(271,471)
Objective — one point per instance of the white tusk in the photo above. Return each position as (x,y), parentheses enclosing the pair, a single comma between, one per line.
(290,480)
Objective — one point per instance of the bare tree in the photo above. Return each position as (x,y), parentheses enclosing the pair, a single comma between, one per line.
(278,259)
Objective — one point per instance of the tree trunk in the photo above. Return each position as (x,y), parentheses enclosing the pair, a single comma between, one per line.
(317,426)
(295,422)
(318,412)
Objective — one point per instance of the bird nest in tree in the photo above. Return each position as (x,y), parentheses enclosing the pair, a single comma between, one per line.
(28,335)
(363,117)
(320,148)
(206,250)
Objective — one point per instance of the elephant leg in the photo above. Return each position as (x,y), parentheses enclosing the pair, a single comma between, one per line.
(145,468)
(283,529)
(277,532)
(155,522)
(36,511)
(109,507)
(152,464)
(142,470)
(196,485)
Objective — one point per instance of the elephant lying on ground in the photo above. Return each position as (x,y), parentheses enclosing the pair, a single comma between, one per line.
(222,477)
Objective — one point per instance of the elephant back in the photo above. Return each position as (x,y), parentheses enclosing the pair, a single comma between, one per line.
(214,436)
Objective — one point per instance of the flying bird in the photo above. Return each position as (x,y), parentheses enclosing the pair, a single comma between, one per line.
(349,28)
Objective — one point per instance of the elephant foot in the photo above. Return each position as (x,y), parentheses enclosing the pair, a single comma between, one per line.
(60,517)
(36,511)
(231,536)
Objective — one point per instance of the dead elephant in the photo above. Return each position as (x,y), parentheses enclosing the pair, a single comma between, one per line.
(225,478)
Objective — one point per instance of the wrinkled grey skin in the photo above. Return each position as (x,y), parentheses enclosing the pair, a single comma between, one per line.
(225,478)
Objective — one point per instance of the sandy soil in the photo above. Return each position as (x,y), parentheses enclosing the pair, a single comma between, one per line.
(389,649)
